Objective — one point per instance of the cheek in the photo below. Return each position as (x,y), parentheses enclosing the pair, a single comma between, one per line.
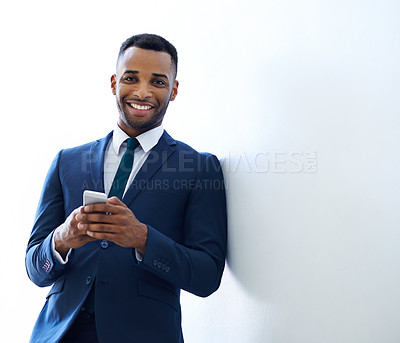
(121,92)
(164,98)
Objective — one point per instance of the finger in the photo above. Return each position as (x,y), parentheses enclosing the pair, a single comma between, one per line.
(71,217)
(95,217)
(101,235)
(100,228)
(82,230)
(79,222)
(115,201)
(100,208)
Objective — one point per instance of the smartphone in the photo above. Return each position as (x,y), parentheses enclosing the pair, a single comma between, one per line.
(92,197)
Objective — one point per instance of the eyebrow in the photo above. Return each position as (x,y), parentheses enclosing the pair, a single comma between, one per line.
(154,74)
(160,75)
(131,72)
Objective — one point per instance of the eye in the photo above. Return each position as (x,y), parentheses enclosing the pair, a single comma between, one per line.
(159,82)
(130,78)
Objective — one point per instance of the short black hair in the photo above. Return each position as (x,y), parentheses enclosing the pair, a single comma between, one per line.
(151,42)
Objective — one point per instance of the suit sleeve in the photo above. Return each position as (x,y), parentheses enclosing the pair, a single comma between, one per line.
(195,265)
(41,266)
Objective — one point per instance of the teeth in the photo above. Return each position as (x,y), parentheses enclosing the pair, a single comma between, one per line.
(139,107)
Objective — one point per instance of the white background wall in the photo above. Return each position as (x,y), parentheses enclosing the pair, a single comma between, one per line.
(299,99)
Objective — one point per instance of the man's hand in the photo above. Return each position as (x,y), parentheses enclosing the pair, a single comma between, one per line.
(69,236)
(115,222)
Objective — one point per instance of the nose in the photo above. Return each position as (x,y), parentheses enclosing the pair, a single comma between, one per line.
(142,91)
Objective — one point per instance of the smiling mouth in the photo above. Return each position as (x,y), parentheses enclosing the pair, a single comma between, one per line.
(140,107)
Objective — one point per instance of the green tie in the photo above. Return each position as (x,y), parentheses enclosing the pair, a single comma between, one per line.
(124,169)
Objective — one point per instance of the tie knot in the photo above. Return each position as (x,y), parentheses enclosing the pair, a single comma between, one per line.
(132,143)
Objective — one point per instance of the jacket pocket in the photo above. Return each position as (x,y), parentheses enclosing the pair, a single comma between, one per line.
(159,293)
(57,287)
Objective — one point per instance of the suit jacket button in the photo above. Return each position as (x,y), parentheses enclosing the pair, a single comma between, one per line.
(159,264)
(104,244)
(88,280)
(155,262)
(167,269)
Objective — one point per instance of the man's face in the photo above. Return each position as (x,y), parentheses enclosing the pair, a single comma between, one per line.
(144,85)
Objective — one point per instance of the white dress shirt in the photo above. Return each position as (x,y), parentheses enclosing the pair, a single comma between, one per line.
(116,149)
(113,155)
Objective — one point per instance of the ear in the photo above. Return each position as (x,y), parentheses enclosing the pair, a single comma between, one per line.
(113,83)
(174,92)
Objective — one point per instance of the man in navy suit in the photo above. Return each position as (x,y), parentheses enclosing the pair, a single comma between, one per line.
(117,268)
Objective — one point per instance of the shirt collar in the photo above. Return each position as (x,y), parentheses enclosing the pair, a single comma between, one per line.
(147,139)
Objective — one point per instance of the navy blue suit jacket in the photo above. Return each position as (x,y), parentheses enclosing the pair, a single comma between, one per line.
(179,193)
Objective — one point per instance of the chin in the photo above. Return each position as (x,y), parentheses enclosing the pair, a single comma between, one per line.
(143,125)
(140,126)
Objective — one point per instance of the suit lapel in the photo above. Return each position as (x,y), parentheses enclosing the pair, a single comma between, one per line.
(157,158)
(97,153)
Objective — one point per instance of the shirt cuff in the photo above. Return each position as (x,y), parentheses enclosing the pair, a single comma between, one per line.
(56,254)
(138,256)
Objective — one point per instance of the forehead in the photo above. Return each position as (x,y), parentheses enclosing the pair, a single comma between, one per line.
(145,61)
